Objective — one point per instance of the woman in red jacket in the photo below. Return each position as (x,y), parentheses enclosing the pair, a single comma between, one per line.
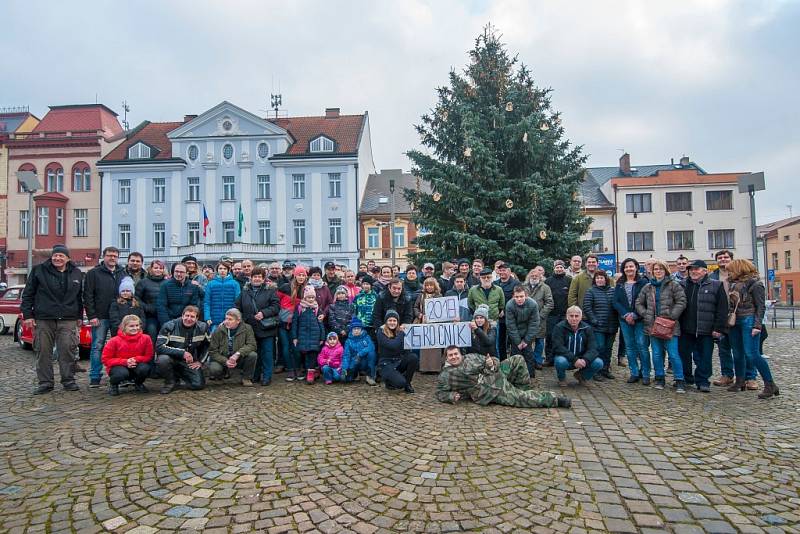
(127,356)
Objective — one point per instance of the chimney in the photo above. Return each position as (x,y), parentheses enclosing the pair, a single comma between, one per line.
(187,118)
(685,161)
(331,113)
(625,164)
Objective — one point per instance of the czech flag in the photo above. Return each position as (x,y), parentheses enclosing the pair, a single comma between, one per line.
(206,222)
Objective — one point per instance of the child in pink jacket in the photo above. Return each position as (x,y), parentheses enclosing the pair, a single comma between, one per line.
(330,359)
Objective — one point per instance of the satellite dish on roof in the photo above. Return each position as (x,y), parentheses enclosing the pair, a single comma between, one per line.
(383,200)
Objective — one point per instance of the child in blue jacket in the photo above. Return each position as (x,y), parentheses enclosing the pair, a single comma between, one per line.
(359,353)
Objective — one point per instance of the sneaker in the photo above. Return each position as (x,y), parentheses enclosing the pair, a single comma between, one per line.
(607,374)
(140,388)
(633,380)
(646,381)
(94,383)
(562,383)
(113,389)
(679,387)
(563,402)
(371,381)
(751,385)
(72,386)
(266,382)
(660,383)
(311,375)
(290,376)
(704,388)
(247,383)
(408,389)
(167,388)
(328,382)
(41,390)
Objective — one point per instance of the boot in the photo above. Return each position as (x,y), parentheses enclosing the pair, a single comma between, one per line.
(723,381)
(770,390)
(113,389)
(578,375)
(311,375)
(167,388)
(139,387)
(751,385)
(739,385)
(564,402)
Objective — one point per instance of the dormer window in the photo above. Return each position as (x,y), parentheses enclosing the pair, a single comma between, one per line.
(139,151)
(321,144)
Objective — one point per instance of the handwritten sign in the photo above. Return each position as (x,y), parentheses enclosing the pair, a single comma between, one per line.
(438,335)
(441,309)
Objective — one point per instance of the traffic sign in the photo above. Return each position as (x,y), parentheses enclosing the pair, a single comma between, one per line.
(771,275)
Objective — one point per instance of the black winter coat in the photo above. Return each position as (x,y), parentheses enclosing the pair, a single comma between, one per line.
(307,330)
(598,309)
(265,300)
(484,342)
(706,307)
(174,297)
(390,348)
(52,295)
(100,290)
(574,345)
(147,293)
(386,302)
(559,285)
(118,311)
(174,339)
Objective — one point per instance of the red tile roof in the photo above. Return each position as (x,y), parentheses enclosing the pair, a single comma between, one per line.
(345,130)
(80,117)
(151,133)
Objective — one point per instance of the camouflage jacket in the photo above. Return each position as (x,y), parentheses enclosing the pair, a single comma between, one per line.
(472,378)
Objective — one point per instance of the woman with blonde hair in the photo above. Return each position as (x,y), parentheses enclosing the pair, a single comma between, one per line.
(746,301)
(430,360)
(128,356)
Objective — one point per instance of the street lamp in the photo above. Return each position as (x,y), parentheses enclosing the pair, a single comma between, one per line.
(30,184)
(391,190)
(750,183)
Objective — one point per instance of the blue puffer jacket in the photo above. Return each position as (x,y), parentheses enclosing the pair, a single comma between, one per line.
(358,348)
(307,330)
(174,297)
(340,313)
(621,303)
(221,294)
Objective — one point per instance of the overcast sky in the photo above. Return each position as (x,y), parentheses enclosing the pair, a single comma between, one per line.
(715,80)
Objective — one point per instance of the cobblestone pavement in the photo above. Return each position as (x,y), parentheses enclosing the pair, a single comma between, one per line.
(294,458)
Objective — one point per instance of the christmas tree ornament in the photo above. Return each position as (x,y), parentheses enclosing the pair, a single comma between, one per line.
(525,137)
(467,152)
(509,106)
(544,127)
(437,197)
(542,234)
(509,203)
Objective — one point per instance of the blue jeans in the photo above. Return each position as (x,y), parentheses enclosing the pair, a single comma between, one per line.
(266,353)
(290,356)
(329,374)
(604,343)
(697,349)
(562,364)
(747,349)
(365,365)
(670,346)
(726,360)
(638,354)
(538,350)
(151,328)
(99,334)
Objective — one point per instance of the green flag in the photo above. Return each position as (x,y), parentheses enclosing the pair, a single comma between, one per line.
(241,220)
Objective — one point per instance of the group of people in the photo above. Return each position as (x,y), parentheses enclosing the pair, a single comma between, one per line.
(338,325)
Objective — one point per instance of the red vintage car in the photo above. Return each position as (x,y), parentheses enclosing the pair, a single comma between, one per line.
(10,301)
(24,336)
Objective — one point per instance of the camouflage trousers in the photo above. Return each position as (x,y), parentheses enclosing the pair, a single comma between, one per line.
(512,387)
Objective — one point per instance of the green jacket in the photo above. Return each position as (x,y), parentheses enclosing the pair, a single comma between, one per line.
(244,342)
(496,300)
(579,286)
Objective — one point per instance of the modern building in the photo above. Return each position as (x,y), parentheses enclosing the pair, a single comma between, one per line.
(230,183)
(664,211)
(781,239)
(375,218)
(12,121)
(62,150)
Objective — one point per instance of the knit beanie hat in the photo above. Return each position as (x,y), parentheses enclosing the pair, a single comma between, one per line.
(332,334)
(60,249)
(299,269)
(126,284)
(368,279)
(309,291)
(356,323)
(482,310)
(391,313)
(341,289)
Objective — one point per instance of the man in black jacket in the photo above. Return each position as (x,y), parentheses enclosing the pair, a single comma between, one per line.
(52,303)
(181,349)
(559,286)
(393,298)
(99,291)
(702,322)
(574,347)
(260,306)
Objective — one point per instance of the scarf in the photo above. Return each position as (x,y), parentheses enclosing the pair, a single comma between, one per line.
(384,281)
(306,305)
(412,285)
(316,284)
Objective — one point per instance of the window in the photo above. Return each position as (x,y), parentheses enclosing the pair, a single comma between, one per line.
(228,232)
(680,240)
(263,233)
(299,232)
(125,236)
(194,189)
(263,150)
(787,259)
(719,239)
(81,222)
(399,236)
(262,187)
(81,178)
(159,236)
(59,221)
(719,200)
(228,188)
(321,144)
(159,190)
(42,221)
(139,151)
(640,241)
(24,223)
(227,152)
(679,201)
(786,237)
(124,191)
(193,233)
(638,203)
(193,153)
(775,260)
(55,180)
(373,237)
(597,235)
(335,231)
(298,186)
(334,185)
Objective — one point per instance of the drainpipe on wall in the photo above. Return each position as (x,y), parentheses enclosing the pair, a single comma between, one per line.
(101,173)
(614,233)
(358,227)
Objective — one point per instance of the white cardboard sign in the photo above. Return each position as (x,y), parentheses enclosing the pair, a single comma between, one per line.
(441,309)
(438,335)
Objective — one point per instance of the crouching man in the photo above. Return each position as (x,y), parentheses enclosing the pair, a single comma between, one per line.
(485,380)
(181,346)
(574,348)
(233,345)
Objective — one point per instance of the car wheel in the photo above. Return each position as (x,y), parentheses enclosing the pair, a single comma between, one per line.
(18,337)
(3,326)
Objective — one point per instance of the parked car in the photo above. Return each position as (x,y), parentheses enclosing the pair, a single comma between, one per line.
(10,301)
(24,335)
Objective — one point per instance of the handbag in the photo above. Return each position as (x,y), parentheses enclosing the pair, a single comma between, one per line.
(269,322)
(663,327)
(736,298)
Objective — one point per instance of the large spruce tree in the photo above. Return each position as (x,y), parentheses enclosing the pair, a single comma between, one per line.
(503,177)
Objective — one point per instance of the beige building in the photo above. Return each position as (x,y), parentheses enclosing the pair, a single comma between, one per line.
(62,150)
(782,242)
